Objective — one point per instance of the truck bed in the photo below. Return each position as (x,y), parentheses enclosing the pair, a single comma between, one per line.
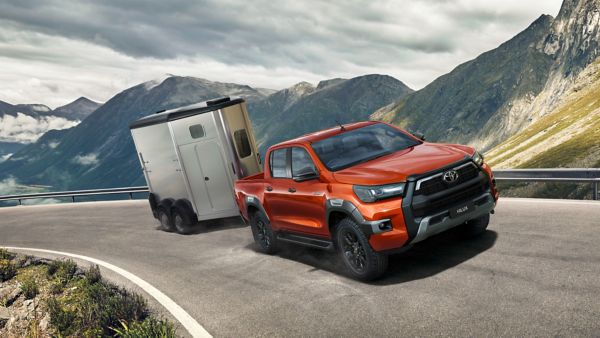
(255,177)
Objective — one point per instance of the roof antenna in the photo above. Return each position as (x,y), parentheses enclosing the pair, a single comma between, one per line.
(341,125)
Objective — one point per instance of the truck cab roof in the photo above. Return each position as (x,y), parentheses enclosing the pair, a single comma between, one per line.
(323,134)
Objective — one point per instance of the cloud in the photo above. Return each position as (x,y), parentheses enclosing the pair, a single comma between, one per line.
(26,129)
(8,186)
(89,159)
(106,46)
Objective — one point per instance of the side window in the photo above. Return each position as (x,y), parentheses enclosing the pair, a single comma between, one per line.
(301,161)
(241,143)
(277,163)
(197,131)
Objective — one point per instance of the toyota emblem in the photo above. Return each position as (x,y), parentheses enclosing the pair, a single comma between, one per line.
(450,176)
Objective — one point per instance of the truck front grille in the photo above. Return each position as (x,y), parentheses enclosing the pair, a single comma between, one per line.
(433,206)
(435,183)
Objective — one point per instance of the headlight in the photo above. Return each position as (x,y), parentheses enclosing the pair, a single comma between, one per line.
(372,193)
(478,158)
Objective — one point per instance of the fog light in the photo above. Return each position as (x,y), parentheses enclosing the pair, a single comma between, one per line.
(387,225)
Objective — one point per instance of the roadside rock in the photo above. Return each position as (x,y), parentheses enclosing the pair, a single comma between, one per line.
(9,294)
(4,316)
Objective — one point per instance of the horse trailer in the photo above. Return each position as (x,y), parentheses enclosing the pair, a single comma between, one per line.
(191,157)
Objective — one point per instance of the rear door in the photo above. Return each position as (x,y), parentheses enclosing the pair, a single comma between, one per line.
(203,160)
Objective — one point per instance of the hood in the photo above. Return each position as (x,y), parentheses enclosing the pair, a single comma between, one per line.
(398,166)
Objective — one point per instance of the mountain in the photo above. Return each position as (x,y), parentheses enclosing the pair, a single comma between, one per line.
(568,137)
(501,92)
(77,110)
(262,111)
(99,151)
(303,108)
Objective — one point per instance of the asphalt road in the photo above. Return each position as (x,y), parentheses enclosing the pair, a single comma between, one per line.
(534,273)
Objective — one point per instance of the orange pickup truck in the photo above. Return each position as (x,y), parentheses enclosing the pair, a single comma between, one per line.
(365,190)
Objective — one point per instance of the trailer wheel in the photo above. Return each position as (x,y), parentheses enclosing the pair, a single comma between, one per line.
(182,220)
(263,233)
(164,216)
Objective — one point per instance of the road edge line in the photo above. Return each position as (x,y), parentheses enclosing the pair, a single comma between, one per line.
(190,324)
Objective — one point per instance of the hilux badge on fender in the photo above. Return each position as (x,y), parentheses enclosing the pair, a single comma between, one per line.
(450,176)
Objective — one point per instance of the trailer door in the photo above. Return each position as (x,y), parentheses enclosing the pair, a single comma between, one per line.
(242,137)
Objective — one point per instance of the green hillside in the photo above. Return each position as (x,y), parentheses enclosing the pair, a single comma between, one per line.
(568,137)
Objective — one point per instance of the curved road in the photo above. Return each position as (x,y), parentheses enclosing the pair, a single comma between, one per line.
(534,273)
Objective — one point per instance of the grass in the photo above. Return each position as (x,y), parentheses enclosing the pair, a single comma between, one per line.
(83,304)
(582,103)
(148,328)
(29,287)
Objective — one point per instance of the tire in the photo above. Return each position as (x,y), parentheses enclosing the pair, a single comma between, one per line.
(477,226)
(153,201)
(182,220)
(263,233)
(164,217)
(361,261)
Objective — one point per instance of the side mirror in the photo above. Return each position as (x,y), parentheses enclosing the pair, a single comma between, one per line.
(306,174)
(420,136)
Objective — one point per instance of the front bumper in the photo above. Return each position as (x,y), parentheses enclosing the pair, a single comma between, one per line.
(434,224)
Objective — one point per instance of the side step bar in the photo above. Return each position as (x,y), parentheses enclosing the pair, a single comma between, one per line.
(306,240)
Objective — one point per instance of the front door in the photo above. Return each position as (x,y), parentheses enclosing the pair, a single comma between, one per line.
(306,200)
(295,206)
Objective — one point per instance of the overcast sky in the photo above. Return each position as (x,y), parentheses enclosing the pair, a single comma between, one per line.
(54,51)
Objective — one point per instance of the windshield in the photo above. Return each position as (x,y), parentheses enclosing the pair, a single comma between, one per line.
(361,145)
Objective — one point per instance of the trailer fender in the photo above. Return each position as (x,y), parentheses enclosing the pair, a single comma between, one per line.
(153,201)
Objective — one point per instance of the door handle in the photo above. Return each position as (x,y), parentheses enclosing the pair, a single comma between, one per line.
(269,188)
(292,189)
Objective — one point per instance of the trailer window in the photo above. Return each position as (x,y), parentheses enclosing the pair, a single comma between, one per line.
(242,144)
(197,131)
(278,162)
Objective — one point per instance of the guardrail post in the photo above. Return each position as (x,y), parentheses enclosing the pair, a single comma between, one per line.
(73,198)
(20,202)
(130,195)
(595,192)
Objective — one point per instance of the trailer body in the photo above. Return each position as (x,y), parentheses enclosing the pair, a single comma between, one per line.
(191,157)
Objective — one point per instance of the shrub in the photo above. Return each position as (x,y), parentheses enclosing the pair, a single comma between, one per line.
(148,328)
(104,305)
(93,274)
(4,254)
(30,288)
(56,287)
(63,270)
(61,319)
(7,270)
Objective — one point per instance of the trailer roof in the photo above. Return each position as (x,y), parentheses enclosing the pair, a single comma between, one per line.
(186,111)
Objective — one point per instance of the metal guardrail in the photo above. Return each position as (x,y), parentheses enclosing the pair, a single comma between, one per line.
(93,192)
(591,176)
(566,175)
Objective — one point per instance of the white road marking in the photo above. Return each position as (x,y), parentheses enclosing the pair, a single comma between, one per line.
(540,200)
(191,325)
